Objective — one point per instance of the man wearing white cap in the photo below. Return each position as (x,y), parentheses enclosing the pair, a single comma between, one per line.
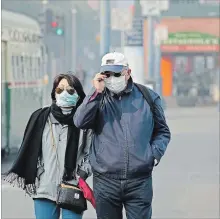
(130,137)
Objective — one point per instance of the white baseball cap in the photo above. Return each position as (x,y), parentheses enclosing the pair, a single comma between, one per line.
(114,62)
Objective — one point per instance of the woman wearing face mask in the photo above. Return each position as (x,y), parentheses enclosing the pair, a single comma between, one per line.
(49,151)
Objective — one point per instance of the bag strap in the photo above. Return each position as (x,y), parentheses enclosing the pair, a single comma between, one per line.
(84,141)
(52,135)
(82,148)
(145,91)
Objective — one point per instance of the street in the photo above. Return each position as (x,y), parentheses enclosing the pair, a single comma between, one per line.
(186,182)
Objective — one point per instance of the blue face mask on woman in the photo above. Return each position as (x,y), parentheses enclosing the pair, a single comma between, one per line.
(65,99)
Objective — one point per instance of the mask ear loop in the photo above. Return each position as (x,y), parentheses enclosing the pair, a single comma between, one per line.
(78,96)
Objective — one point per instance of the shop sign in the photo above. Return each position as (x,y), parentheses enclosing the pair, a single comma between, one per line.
(191,41)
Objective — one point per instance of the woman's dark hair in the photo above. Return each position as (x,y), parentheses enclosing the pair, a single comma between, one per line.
(73,81)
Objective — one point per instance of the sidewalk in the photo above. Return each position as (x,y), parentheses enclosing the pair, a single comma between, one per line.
(186,182)
(174,113)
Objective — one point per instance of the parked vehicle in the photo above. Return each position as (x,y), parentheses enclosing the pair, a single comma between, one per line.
(23,66)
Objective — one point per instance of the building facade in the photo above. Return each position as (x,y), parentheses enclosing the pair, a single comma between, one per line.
(193,42)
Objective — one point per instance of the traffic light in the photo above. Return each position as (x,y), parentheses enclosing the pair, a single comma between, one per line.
(59,31)
(55,22)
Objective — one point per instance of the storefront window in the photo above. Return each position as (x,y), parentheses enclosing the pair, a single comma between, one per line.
(210,62)
(181,64)
(199,64)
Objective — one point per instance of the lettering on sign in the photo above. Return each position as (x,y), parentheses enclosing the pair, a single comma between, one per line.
(191,38)
(20,36)
(134,37)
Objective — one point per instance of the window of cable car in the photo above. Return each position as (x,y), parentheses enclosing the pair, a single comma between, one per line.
(27,67)
(14,67)
(17,67)
(3,94)
(35,68)
(3,61)
(30,72)
(26,63)
(22,72)
(40,70)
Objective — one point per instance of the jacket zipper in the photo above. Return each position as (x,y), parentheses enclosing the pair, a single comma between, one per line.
(126,146)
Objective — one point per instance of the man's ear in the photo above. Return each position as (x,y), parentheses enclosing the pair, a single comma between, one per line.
(129,71)
(128,74)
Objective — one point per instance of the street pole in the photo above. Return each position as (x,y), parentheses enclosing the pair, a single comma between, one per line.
(74,44)
(67,42)
(42,20)
(105,26)
(157,66)
(122,41)
(153,9)
(45,76)
(150,55)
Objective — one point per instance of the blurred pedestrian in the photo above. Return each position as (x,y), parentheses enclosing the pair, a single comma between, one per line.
(130,137)
(81,74)
(51,151)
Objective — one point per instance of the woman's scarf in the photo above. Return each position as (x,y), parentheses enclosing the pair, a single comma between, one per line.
(24,170)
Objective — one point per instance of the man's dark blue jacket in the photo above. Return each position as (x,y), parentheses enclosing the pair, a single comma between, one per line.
(126,137)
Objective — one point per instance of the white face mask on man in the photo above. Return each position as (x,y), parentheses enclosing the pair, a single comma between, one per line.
(116,84)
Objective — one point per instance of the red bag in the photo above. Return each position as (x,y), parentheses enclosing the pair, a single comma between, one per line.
(87,191)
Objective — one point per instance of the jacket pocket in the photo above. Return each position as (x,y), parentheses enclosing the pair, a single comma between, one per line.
(109,156)
(141,159)
(151,156)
